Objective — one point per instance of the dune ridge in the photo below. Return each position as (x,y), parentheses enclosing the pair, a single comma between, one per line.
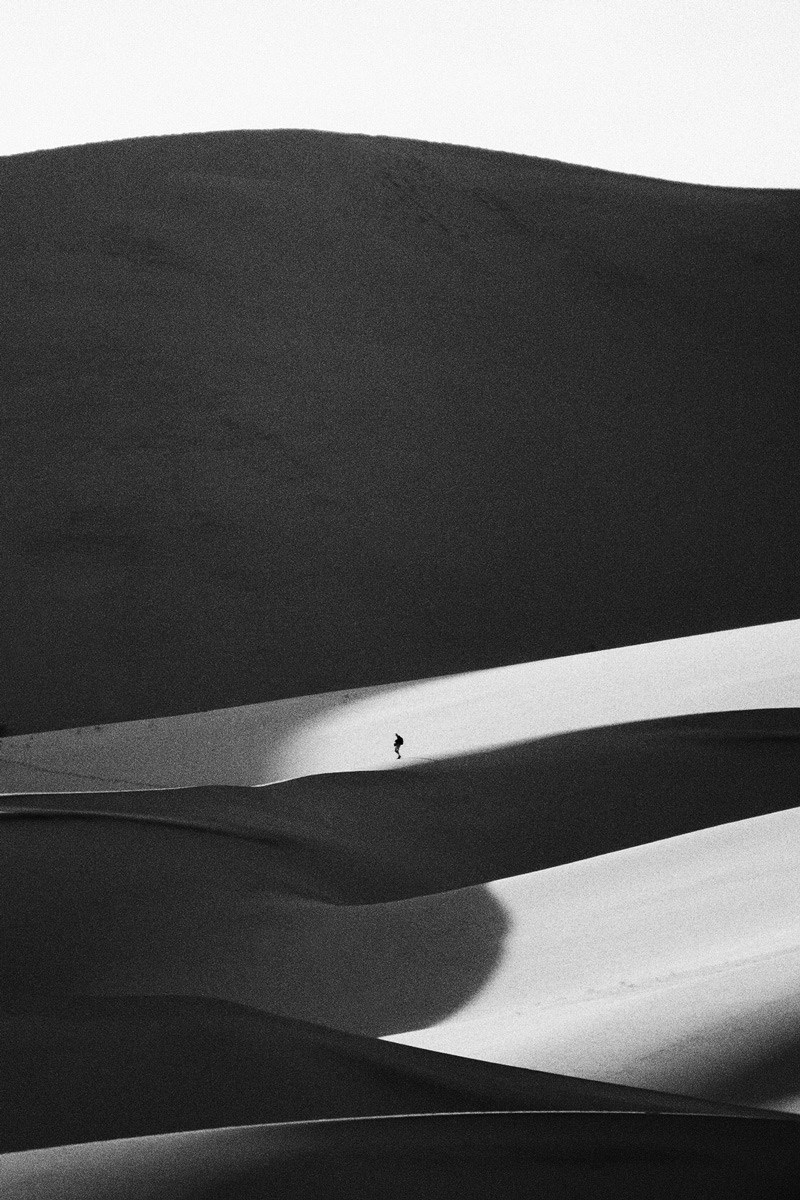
(312,439)
(685,966)
(303,910)
(91,1069)
(371,836)
(742,669)
(442,1155)
(344,411)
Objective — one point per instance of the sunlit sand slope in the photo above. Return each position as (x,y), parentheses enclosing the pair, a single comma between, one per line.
(595,968)
(373,836)
(675,964)
(751,668)
(613,1156)
(377,835)
(293,412)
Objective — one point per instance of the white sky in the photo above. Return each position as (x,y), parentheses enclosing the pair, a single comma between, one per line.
(706,91)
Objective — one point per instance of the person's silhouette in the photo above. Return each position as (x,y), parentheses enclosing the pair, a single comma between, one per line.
(398,741)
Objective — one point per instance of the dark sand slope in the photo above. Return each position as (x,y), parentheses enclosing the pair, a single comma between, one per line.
(288,412)
(112,907)
(330,899)
(613,1156)
(374,836)
(91,1069)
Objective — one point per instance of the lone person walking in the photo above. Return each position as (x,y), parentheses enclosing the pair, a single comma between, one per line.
(398,741)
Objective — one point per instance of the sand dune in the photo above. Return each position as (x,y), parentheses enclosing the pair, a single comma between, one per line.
(757,667)
(673,965)
(94,1069)
(288,412)
(374,836)
(622,1155)
(310,439)
(322,900)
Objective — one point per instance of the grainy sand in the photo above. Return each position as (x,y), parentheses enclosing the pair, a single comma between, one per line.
(290,412)
(310,439)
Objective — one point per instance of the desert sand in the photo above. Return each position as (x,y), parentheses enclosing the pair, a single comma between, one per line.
(322,900)
(290,412)
(314,439)
(443,718)
(445,1155)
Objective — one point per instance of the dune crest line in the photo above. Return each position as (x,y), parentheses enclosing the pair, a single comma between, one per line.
(252,745)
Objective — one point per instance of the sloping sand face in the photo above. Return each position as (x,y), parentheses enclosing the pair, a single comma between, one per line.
(674,965)
(447,1157)
(288,413)
(671,964)
(442,719)
(375,836)
(292,418)
(95,1069)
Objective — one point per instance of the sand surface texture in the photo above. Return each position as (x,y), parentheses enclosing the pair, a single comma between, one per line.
(287,413)
(313,439)
(486,907)
(445,1155)
(442,718)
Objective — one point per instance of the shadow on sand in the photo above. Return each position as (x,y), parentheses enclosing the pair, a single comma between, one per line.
(569,1155)
(366,837)
(764,1071)
(538,804)
(113,906)
(90,1069)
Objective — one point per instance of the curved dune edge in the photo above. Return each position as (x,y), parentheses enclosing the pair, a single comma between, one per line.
(104,1068)
(331,410)
(748,668)
(673,965)
(676,962)
(364,837)
(446,1155)
(290,411)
